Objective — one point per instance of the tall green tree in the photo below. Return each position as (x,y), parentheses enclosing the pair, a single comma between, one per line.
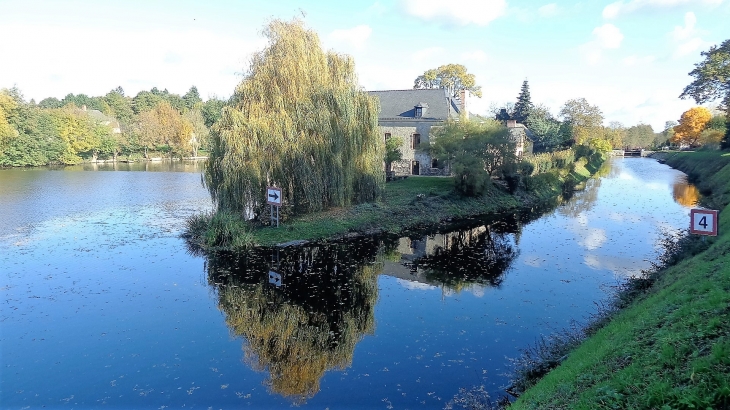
(300,121)
(585,120)
(451,77)
(192,98)
(50,102)
(546,131)
(524,105)
(475,151)
(639,136)
(145,101)
(212,110)
(393,151)
(712,82)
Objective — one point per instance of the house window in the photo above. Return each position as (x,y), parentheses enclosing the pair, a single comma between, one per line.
(415,140)
(387,136)
(419,112)
(434,163)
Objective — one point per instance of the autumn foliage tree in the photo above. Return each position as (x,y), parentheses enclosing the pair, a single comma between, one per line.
(163,125)
(7,107)
(691,125)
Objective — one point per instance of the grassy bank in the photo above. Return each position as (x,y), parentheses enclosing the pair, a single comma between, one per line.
(670,347)
(409,204)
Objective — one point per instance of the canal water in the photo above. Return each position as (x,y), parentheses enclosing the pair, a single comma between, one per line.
(103,304)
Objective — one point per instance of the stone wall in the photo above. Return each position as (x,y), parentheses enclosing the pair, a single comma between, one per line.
(405,165)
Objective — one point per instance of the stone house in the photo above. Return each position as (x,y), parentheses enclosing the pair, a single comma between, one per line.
(103,119)
(521,136)
(410,115)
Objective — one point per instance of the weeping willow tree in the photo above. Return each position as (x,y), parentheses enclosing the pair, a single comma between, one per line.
(298,121)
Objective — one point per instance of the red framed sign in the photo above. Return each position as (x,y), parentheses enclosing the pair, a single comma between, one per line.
(703,222)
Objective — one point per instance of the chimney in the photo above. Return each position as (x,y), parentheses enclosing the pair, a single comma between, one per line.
(463,97)
(511,123)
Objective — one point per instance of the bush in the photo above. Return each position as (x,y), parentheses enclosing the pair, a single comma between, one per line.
(210,231)
(547,161)
(229,231)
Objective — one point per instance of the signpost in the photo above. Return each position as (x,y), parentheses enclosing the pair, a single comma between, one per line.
(273,198)
(703,222)
(275,278)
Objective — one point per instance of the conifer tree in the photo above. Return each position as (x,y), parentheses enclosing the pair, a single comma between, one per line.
(524,105)
(298,121)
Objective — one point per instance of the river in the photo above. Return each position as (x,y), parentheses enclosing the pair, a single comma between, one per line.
(104,305)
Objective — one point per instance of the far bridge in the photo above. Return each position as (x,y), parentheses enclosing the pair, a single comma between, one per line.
(631,153)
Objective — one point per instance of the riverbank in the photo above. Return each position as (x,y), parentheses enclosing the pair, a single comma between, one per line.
(670,347)
(415,203)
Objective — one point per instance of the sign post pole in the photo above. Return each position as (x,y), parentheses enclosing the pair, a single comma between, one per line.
(273,198)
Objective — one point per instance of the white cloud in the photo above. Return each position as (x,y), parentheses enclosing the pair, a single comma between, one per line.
(625,7)
(355,37)
(608,36)
(415,285)
(456,12)
(687,38)
(686,31)
(593,238)
(548,10)
(56,60)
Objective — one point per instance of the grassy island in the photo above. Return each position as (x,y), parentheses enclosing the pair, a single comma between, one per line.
(409,204)
(670,347)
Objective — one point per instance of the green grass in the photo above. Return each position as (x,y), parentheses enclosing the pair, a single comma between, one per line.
(670,348)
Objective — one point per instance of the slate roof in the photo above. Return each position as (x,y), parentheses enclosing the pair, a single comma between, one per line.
(400,104)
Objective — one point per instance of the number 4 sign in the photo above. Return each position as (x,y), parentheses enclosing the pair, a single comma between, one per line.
(703,222)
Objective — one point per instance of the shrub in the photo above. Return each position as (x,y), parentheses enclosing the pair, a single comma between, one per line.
(228,231)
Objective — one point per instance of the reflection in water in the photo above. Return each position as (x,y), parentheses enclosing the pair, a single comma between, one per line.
(685,193)
(583,201)
(309,324)
(324,305)
(462,258)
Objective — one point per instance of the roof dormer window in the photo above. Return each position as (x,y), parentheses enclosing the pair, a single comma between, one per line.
(420,110)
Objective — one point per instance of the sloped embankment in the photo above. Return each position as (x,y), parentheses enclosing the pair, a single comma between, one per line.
(671,347)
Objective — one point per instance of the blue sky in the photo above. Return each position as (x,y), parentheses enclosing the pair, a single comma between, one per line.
(630,57)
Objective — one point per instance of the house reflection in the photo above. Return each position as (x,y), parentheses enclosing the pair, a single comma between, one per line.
(455,260)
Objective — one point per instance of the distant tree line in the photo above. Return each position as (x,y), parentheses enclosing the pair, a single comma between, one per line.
(579,122)
(78,127)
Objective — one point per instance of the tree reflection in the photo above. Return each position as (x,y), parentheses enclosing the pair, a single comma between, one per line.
(458,259)
(685,193)
(312,322)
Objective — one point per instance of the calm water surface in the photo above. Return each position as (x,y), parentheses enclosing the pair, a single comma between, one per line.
(102,304)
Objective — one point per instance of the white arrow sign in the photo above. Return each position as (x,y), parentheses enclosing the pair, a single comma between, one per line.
(273,196)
